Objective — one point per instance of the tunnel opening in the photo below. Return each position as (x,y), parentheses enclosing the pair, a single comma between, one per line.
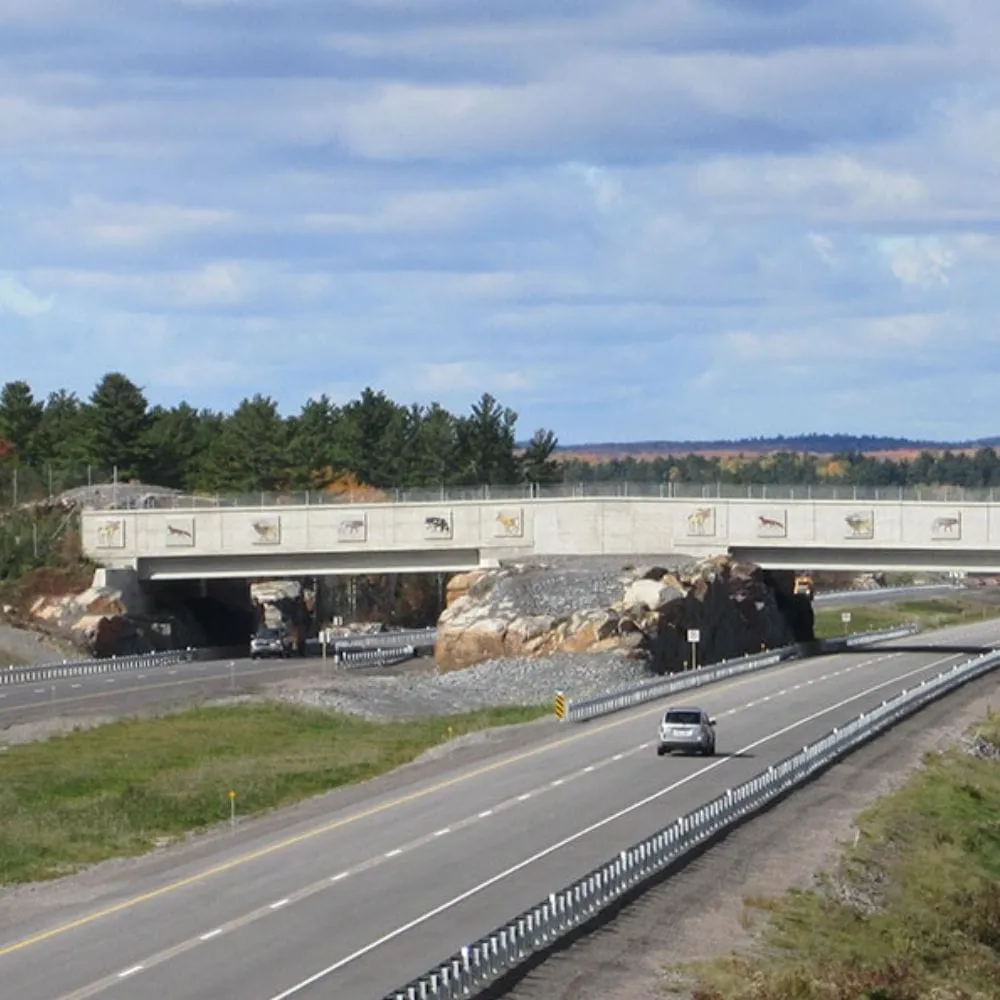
(795,609)
(216,613)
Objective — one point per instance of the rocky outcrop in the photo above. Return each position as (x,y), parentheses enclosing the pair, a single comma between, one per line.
(533,610)
(110,618)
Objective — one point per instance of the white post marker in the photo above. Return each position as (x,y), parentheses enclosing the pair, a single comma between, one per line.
(232,811)
(232,675)
(694,637)
(845,617)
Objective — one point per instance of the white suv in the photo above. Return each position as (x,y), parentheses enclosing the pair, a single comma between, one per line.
(688,729)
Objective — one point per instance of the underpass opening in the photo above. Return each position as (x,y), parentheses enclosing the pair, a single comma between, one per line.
(215,613)
(796,609)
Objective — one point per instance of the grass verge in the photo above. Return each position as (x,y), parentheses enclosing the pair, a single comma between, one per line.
(930,614)
(118,789)
(912,912)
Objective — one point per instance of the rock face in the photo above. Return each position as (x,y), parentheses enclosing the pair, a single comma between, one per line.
(110,618)
(537,610)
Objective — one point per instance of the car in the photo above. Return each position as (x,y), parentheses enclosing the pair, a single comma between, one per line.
(689,729)
(269,641)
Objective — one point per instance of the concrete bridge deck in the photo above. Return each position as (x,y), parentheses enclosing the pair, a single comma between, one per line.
(778,527)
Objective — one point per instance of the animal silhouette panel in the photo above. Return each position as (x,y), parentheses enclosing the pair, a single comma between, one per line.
(438,526)
(701,522)
(772,524)
(111,534)
(266,531)
(179,532)
(860,524)
(947,527)
(353,528)
(509,523)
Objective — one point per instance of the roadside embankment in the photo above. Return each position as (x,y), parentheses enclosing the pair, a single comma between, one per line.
(912,910)
(960,608)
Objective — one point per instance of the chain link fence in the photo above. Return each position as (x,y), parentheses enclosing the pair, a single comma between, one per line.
(125,496)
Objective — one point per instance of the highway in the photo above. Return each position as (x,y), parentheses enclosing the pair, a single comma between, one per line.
(131,691)
(396,878)
(888,595)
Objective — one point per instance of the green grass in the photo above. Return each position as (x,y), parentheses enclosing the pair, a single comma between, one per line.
(115,790)
(929,614)
(927,866)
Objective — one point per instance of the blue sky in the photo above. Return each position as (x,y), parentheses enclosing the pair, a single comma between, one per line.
(627,219)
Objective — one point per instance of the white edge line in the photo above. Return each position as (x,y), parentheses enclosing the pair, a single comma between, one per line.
(342,875)
(130,972)
(565,842)
(211,934)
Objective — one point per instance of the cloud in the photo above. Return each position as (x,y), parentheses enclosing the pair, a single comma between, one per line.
(16,298)
(623,219)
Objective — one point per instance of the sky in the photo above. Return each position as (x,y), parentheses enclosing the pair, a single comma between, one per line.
(625,219)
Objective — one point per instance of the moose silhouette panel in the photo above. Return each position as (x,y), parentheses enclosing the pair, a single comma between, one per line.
(353,528)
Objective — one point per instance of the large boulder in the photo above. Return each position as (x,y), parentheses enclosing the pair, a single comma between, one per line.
(537,609)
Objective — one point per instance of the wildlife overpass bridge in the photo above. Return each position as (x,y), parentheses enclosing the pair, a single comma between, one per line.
(178,538)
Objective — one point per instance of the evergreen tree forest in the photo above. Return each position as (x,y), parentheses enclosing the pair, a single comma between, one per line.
(62,441)
(48,445)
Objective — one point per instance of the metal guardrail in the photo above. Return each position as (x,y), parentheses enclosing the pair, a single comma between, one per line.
(377,657)
(886,591)
(419,638)
(117,498)
(105,665)
(539,928)
(661,687)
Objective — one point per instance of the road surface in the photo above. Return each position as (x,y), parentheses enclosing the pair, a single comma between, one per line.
(888,595)
(393,878)
(131,691)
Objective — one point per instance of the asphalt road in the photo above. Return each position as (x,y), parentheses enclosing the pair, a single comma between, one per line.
(142,690)
(359,901)
(887,595)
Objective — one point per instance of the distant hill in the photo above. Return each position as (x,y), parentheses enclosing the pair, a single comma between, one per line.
(818,444)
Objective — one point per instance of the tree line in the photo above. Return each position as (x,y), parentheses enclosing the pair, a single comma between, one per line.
(51,443)
(977,470)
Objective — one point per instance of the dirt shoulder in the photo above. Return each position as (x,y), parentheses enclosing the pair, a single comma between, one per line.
(700,914)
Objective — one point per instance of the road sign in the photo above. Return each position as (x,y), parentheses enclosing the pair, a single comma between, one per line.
(845,617)
(694,635)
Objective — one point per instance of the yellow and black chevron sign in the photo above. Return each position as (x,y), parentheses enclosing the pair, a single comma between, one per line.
(560,706)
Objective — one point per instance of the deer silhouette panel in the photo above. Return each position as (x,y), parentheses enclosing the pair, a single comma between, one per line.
(111,534)
(353,528)
(438,526)
(860,524)
(266,531)
(772,524)
(701,522)
(179,532)
(508,523)
(947,527)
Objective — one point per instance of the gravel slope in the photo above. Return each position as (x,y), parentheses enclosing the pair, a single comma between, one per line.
(20,646)
(422,692)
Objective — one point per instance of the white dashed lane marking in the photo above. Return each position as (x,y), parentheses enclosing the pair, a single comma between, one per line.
(461,825)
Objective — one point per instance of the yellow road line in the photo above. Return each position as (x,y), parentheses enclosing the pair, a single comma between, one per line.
(338,824)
